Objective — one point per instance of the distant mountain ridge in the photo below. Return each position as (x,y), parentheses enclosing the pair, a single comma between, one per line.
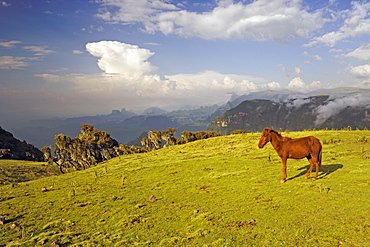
(319,112)
(125,126)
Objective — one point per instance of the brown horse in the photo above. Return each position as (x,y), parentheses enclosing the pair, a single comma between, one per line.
(287,148)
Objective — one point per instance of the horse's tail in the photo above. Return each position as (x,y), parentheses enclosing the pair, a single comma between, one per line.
(319,158)
(320,155)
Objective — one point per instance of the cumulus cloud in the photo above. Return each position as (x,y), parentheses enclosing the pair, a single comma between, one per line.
(124,59)
(356,23)
(131,80)
(324,112)
(298,84)
(278,20)
(362,53)
(213,82)
(362,71)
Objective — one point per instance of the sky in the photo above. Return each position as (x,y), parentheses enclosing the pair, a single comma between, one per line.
(61,58)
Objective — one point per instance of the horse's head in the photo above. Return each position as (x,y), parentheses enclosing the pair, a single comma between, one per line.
(265,137)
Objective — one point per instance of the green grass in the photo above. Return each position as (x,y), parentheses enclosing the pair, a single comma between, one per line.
(222,191)
(16,171)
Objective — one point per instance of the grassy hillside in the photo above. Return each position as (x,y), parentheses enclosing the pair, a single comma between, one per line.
(16,171)
(222,191)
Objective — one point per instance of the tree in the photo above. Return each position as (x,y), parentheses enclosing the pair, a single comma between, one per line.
(187,136)
(146,143)
(168,136)
(62,148)
(87,149)
(47,154)
(155,137)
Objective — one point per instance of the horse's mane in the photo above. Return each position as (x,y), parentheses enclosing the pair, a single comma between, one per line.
(278,134)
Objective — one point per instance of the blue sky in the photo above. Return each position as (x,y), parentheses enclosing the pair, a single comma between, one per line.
(73,58)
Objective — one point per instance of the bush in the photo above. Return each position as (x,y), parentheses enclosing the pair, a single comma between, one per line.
(235,132)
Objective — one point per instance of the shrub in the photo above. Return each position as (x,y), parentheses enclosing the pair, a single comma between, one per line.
(235,132)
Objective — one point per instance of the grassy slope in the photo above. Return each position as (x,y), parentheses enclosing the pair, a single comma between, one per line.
(16,171)
(217,192)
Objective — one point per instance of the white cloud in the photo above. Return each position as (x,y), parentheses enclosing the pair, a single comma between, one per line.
(208,87)
(362,53)
(356,23)
(362,71)
(92,28)
(335,106)
(316,57)
(38,50)
(210,82)
(335,50)
(10,62)
(278,20)
(124,59)
(131,11)
(296,103)
(273,85)
(298,84)
(49,77)
(77,52)
(131,78)
(9,44)
(290,73)
(5,4)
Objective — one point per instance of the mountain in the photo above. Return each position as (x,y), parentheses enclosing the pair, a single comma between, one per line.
(41,132)
(123,125)
(296,114)
(154,111)
(12,148)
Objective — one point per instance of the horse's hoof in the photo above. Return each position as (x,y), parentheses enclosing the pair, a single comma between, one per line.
(306,177)
(282,181)
(313,179)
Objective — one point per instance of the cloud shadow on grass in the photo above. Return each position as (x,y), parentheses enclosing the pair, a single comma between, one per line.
(325,170)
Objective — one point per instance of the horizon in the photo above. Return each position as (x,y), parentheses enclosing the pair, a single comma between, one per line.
(68,59)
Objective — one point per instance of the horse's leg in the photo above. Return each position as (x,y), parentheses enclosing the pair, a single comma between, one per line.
(283,160)
(317,163)
(311,167)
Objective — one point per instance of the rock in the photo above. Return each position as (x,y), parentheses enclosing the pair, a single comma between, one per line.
(152,198)
(15,226)
(2,220)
